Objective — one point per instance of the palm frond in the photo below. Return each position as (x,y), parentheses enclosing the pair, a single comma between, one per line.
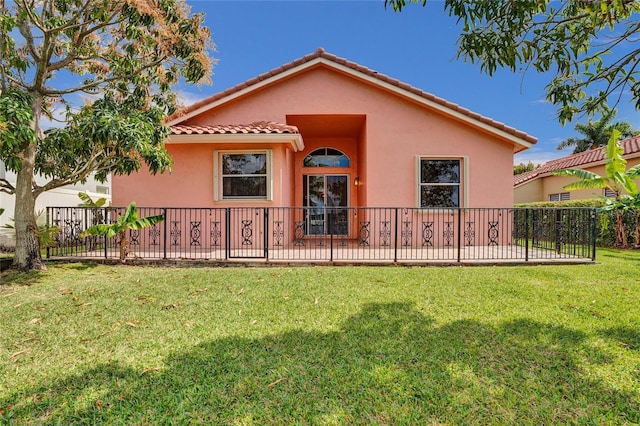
(96,230)
(629,185)
(588,184)
(616,164)
(634,172)
(579,173)
(145,222)
(130,215)
(568,143)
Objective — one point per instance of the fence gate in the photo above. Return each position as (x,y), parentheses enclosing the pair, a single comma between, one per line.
(247,233)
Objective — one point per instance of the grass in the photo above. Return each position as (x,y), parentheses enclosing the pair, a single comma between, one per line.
(86,344)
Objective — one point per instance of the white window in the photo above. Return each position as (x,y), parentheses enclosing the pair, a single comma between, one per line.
(561,196)
(439,182)
(243,175)
(102,189)
(609,193)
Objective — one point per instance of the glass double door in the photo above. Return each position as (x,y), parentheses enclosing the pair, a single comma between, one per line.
(326,198)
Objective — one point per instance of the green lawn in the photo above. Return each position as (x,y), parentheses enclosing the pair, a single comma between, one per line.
(323,345)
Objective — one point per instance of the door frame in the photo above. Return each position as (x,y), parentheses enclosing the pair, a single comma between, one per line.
(326,210)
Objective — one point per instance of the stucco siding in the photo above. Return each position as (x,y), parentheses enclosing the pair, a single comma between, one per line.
(396,131)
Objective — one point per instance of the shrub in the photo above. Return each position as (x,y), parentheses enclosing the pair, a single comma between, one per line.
(606,219)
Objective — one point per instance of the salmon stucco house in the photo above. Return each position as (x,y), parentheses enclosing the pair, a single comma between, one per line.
(324,159)
(325,131)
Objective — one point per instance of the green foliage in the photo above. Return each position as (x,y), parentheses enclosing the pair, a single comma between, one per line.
(593,202)
(597,134)
(523,168)
(588,46)
(607,219)
(618,180)
(129,220)
(161,43)
(127,55)
(87,201)
(16,116)
(117,135)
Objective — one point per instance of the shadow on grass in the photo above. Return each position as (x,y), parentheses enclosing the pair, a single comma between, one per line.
(627,336)
(15,277)
(79,266)
(625,254)
(389,364)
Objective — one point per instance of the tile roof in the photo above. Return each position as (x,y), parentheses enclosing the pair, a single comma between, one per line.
(321,54)
(579,160)
(263,127)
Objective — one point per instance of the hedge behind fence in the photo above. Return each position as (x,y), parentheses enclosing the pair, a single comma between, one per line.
(606,220)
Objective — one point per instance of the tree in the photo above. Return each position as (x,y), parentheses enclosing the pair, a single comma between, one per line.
(129,220)
(618,180)
(126,55)
(597,134)
(588,45)
(523,168)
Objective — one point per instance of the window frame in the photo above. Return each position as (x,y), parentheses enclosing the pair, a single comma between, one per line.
(102,189)
(462,184)
(561,196)
(218,177)
(326,148)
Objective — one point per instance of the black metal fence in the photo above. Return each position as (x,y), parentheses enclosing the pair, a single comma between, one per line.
(353,234)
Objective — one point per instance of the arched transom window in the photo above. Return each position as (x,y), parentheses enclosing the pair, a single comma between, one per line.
(326,157)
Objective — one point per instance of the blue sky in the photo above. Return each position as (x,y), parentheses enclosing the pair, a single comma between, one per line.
(416,46)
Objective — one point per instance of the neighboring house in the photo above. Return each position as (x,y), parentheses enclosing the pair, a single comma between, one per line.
(541,185)
(66,196)
(325,131)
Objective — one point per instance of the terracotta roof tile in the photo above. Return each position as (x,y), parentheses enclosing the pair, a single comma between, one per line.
(581,159)
(320,53)
(264,127)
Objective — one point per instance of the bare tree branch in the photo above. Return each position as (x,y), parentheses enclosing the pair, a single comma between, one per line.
(6,186)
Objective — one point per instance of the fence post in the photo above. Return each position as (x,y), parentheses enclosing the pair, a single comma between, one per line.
(395,242)
(106,240)
(48,225)
(594,232)
(164,254)
(459,231)
(266,233)
(227,230)
(526,235)
(330,237)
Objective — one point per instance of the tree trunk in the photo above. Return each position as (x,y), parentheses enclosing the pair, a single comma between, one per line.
(637,230)
(621,237)
(27,254)
(124,242)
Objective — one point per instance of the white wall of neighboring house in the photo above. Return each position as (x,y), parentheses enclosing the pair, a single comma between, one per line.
(66,196)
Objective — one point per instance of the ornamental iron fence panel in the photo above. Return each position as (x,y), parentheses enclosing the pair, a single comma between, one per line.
(335,234)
